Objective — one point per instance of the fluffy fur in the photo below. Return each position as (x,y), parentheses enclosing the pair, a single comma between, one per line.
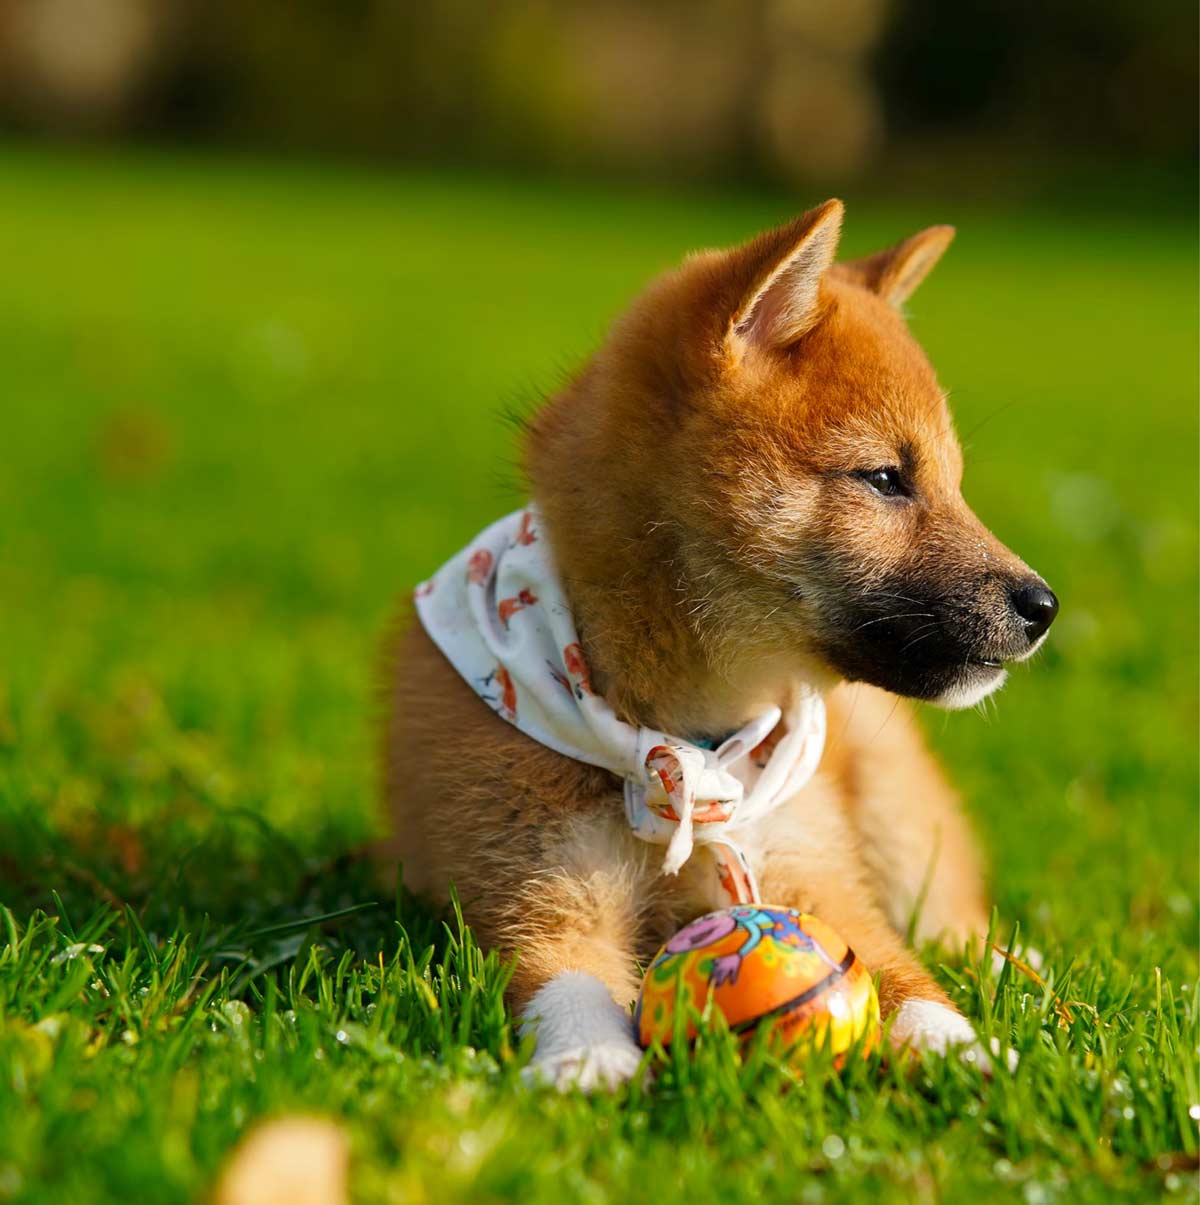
(754,482)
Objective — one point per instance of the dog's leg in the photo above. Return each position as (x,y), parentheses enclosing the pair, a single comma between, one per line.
(924,1018)
(819,871)
(577,940)
(584,1038)
(912,830)
(916,836)
(909,821)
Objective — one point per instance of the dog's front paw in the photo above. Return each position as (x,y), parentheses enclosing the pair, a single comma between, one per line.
(584,1038)
(928,1025)
(593,1068)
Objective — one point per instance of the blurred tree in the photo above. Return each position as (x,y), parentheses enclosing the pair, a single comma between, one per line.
(1094,75)
(79,63)
(726,88)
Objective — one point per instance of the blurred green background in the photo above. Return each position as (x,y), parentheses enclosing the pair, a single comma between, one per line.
(274,275)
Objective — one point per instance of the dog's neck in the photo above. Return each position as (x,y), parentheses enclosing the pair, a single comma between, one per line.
(650,652)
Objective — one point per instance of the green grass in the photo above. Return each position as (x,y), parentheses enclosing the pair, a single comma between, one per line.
(241,407)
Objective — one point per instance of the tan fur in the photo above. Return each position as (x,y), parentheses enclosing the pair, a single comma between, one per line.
(694,480)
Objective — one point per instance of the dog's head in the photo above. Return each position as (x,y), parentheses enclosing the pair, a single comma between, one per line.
(771,411)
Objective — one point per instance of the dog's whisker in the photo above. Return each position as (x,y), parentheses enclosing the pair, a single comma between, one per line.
(901,615)
(922,633)
(899,597)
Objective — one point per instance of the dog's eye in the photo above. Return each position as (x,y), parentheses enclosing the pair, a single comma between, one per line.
(887,482)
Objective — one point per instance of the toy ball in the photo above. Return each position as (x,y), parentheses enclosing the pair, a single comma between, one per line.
(762,965)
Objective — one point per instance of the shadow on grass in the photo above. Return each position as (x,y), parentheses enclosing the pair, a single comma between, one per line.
(261,901)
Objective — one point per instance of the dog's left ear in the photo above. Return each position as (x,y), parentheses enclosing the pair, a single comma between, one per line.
(778,276)
(895,273)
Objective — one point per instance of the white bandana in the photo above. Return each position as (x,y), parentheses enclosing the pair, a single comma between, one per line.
(498,612)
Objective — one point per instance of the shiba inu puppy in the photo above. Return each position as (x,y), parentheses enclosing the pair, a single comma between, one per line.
(748,518)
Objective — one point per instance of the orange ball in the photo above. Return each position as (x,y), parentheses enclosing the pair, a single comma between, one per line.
(762,965)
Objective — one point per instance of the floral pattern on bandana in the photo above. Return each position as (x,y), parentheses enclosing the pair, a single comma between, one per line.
(499,614)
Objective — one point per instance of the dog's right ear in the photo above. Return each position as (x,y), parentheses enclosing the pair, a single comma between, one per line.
(894,274)
(778,281)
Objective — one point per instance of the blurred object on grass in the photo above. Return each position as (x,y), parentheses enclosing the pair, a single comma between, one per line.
(133,444)
(287,1161)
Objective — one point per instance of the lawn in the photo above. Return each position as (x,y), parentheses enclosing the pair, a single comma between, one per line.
(242,407)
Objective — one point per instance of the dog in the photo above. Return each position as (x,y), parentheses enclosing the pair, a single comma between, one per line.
(749,497)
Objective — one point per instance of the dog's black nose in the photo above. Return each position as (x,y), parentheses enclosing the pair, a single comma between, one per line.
(1035,603)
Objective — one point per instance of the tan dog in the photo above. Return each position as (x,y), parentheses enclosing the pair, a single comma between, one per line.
(753,484)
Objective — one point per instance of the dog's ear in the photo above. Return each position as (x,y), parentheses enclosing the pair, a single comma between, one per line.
(777,279)
(895,273)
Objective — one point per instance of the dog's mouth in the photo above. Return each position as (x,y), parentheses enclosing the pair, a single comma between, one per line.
(979,678)
(949,661)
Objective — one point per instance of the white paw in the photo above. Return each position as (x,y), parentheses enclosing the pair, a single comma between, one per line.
(603,1066)
(584,1038)
(928,1025)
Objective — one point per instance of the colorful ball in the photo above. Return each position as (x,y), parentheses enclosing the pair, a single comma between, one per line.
(762,966)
